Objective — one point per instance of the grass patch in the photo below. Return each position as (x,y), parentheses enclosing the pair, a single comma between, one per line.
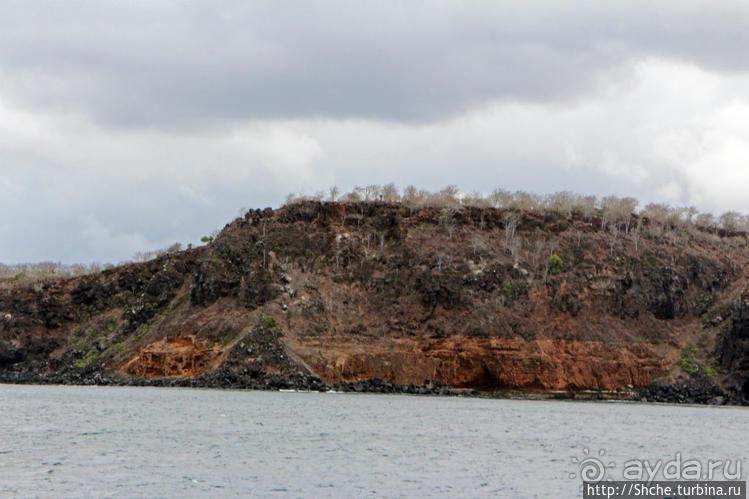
(140,333)
(269,322)
(227,338)
(91,356)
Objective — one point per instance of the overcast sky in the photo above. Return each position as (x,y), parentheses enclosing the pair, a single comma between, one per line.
(127,126)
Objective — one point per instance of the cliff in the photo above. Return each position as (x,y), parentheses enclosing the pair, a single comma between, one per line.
(314,294)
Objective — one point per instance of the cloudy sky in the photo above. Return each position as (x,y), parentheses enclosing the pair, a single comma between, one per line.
(127,126)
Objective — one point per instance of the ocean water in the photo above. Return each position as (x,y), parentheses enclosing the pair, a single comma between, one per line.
(60,441)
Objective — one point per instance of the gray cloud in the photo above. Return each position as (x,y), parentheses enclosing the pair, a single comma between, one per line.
(128,126)
(192,64)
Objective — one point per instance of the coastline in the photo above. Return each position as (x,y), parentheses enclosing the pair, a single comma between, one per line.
(684,394)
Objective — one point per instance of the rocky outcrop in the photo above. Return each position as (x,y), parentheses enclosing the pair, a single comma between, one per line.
(334,294)
(734,351)
(172,357)
(489,364)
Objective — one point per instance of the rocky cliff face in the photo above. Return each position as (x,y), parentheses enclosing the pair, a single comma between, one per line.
(734,350)
(335,292)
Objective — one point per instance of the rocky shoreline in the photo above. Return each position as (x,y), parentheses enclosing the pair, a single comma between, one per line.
(688,392)
(218,380)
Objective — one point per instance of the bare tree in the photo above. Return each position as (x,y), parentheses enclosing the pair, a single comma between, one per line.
(706,220)
(516,245)
(390,193)
(730,220)
(477,244)
(614,229)
(500,198)
(511,221)
(635,234)
(372,192)
(527,201)
(587,206)
(561,202)
(447,220)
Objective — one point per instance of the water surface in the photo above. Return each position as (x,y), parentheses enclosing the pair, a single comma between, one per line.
(121,441)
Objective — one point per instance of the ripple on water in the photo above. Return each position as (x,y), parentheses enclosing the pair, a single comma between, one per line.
(172,442)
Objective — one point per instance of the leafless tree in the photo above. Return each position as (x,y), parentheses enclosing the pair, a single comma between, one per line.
(730,220)
(635,234)
(706,220)
(390,193)
(587,206)
(516,245)
(477,244)
(511,221)
(500,198)
(447,220)
(614,229)
(372,192)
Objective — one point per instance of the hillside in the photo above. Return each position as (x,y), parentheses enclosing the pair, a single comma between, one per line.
(317,294)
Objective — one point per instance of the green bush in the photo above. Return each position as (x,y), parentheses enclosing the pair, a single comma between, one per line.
(227,338)
(688,366)
(555,264)
(268,321)
(688,359)
(140,332)
(90,357)
(507,289)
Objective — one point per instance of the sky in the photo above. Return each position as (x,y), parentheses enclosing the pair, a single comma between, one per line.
(128,126)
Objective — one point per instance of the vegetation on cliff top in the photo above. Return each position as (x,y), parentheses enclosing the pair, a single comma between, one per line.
(617,215)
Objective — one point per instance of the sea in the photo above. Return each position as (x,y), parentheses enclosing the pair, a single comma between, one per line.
(75,441)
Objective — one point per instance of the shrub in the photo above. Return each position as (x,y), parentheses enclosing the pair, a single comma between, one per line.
(140,332)
(507,289)
(687,362)
(688,365)
(90,357)
(268,321)
(555,264)
(227,338)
